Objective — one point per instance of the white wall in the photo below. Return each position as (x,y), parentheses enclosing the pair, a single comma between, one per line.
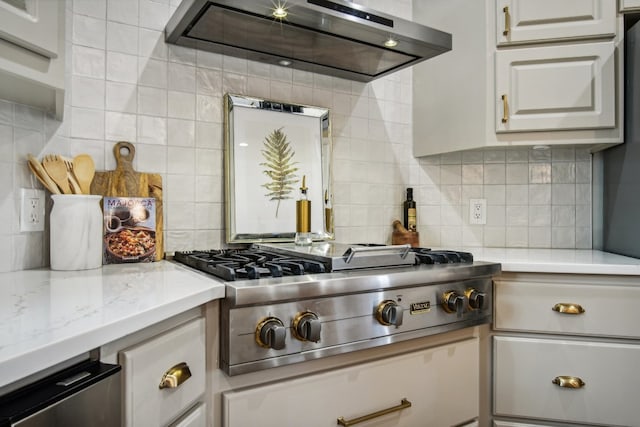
(125,83)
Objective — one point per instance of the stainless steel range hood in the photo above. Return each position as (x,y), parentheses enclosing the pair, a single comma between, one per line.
(333,37)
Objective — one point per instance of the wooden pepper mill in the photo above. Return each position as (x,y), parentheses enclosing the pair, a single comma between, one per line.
(402,236)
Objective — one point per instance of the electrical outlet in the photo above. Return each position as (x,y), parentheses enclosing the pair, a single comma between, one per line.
(32,210)
(477,211)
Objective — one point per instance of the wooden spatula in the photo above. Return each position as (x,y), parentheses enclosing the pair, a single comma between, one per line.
(84,169)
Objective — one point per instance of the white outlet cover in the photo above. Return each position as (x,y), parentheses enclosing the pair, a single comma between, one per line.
(31,210)
(477,211)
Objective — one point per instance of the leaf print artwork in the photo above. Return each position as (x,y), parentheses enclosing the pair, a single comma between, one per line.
(279,167)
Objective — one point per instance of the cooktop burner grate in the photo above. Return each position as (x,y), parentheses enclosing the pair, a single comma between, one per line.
(237,264)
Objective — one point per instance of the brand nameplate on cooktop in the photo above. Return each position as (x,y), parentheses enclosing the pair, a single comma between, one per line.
(420,307)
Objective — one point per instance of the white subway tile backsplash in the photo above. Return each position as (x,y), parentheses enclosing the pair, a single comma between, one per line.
(495,174)
(88,31)
(87,61)
(152,101)
(153,15)
(181,105)
(87,123)
(121,97)
(125,11)
(87,92)
(122,38)
(152,72)
(152,130)
(120,126)
(181,133)
(126,83)
(122,67)
(6,112)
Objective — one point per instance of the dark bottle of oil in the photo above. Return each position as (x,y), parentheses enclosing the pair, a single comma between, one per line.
(410,222)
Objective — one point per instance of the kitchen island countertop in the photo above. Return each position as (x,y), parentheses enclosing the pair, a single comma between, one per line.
(562,261)
(47,317)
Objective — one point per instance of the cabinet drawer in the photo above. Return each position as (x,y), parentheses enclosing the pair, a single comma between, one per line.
(524,369)
(556,88)
(196,417)
(498,423)
(144,365)
(528,306)
(522,21)
(442,384)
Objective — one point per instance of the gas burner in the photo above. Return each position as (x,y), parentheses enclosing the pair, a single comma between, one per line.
(428,256)
(237,264)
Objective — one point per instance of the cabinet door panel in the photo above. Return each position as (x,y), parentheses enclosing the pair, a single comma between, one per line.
(524,369)
(31,24)
(629,5)
(610,311)
(442,384)
(556,88)
(546,20)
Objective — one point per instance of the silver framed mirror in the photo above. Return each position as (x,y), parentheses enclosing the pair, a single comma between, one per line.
(269,147)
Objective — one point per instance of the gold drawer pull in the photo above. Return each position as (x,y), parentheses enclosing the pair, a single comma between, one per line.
(175,376)
(568,308)
(566,381)
(404,403)
(507,21)
(505,109)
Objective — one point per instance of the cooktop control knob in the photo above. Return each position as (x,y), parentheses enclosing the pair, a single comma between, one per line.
(475,298)
(270,333)
(389,313)
(306,326)
(452,302)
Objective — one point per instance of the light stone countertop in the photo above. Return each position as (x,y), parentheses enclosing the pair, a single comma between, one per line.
(569,261)
(47,317)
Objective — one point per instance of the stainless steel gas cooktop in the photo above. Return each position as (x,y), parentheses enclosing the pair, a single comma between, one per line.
(288,304)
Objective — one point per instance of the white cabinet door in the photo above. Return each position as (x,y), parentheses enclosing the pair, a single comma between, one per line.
(556,88)
(520,21)
(32,24)
(442,384)
(196,417)
(525,368)
(629,5)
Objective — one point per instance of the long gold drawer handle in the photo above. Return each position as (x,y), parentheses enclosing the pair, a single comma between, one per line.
(568,381)
(507,21)
(404,403)
(568,308)
(175,376)
(505,109)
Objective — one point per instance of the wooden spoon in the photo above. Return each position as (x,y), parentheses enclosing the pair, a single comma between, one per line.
(57,170)
(84,169)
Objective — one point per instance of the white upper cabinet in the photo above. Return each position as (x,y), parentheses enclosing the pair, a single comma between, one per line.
(629,5)
(31,24)
(521,72)
(32,53)
(556,87)
(521,21)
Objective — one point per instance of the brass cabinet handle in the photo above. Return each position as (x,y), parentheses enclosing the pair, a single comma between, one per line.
(404,403)
(505,109)
(568,308)
(566,381)
(507,21)
(175,376)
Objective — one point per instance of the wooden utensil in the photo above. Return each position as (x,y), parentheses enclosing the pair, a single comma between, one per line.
(73,182)
(124,181)
(57,170)
(41,174)
(84,169)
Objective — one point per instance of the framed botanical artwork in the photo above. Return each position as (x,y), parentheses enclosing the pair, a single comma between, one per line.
(270,147)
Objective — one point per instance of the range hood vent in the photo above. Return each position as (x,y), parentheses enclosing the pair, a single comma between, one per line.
(333,37)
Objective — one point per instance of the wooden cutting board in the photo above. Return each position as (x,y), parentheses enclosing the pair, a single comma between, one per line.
(126,182)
